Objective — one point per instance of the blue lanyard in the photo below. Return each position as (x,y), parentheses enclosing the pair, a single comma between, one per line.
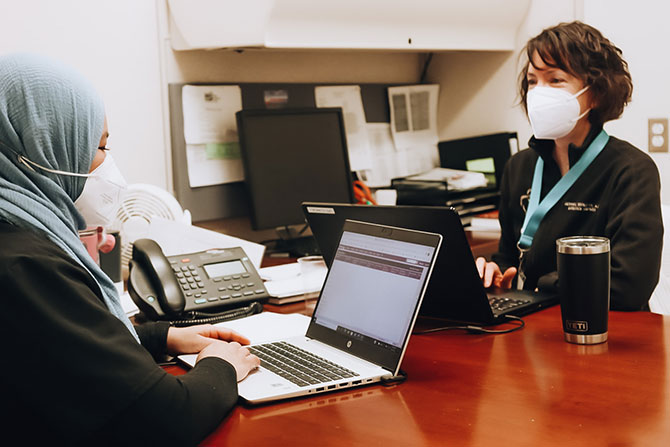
(536,209)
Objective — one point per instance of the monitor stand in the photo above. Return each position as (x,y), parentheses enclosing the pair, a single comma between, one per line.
(292,241)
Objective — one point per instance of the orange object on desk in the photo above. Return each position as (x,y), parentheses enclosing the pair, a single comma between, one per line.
(362,193)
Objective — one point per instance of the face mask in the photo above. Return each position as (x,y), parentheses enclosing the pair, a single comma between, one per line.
(99,201)
(553,112)
(102,194)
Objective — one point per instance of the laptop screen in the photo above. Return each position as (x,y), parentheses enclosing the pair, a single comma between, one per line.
(373,289)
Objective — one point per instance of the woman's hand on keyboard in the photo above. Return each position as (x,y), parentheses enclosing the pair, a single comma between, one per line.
(491,275)
(193,339)
(237,355)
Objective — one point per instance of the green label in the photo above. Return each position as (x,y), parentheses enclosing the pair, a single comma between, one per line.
(481,165)
(222,151)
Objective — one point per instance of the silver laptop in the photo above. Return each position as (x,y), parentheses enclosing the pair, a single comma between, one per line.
(362,321)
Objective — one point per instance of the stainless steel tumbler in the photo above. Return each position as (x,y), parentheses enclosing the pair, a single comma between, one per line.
(584,286)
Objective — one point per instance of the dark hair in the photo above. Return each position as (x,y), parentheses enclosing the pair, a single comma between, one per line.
(582,51)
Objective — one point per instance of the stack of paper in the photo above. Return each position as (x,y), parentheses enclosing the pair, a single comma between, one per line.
(455,178)
(285,283)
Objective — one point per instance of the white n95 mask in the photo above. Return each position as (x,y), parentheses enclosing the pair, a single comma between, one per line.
(103,191)
(553,112)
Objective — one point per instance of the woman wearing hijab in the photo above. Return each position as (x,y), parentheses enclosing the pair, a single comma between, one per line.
(76,370)
(588,182)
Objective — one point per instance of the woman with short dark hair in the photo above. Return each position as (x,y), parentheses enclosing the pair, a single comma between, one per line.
(574,81)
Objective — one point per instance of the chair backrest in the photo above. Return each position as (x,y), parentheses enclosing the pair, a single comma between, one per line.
(660,299)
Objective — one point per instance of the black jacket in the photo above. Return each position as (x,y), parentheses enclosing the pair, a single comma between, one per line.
(618,196)
(74,374)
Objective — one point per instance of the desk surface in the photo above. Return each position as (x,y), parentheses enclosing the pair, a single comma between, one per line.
(524,388)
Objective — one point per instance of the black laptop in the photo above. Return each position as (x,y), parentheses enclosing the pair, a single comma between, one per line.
(455,291)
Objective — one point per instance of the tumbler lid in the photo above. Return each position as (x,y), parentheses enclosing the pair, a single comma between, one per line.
(583,245)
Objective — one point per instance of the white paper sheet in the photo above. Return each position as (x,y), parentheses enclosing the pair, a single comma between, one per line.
(278,272)
(349,98)
(389,162)
(414,115)
(179,238)
(210,131)
(213,164)
(128,305)
(262,328)
(455,178)
(287,280)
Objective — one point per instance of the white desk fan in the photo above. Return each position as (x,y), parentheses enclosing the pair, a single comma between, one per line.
(141,203)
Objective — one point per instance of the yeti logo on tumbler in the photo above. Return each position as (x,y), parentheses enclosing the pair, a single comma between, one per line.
(579,326)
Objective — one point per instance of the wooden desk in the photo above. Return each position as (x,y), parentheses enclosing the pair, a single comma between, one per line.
(524,388)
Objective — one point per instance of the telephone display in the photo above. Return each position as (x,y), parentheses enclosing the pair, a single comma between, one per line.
(191,285)
(221,269)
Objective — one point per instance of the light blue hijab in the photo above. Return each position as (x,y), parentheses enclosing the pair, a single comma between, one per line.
(52,116)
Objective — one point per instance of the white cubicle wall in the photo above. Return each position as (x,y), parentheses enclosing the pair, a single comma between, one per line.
(114,44)
(640,29)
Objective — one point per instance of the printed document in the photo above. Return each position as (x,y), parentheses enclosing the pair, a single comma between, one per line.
(210,130)
(388,162)
(414,115)
(349,98)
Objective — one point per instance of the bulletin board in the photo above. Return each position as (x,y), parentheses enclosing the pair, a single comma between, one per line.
(231,199)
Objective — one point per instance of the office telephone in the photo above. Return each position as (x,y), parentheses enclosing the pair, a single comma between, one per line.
(205,287)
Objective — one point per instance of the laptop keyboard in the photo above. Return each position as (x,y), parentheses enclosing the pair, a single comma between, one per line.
(297,365)
(501,304)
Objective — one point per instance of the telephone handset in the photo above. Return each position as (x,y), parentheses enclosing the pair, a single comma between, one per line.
(194,288)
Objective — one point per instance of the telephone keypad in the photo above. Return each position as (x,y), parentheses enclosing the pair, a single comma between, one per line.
(190,280)
(227,287)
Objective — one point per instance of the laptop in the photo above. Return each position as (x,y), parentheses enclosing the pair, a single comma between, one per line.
(362,321)
(456,291)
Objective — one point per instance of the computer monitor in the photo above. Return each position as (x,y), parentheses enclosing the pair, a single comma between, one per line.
(291,156)
(485,153)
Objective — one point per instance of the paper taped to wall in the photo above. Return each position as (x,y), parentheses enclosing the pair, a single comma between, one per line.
(348,97)
(210,131)
(414,115)
(388,162)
